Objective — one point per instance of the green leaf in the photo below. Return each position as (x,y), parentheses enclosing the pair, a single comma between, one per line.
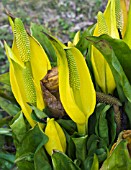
(7,161)
(111,126)
(92,124)
(128,111)
(101,154)
(122,83)
(25,162)
(5,79)
(38,32)
(81,150)
(88,163)
(5,131)
(62,162)
(101,127)
(18,127)
(41,161)
(5,120)
(92,144)
(70,150)
(33,140)
(38,115)
(27,142)
(11,108)
(95,165)
(8,157)
(68,125)
(82,44)
(119,159)
(96,145)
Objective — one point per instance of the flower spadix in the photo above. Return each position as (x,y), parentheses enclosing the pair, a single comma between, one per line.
(106,24)
(57,139)
(28,64)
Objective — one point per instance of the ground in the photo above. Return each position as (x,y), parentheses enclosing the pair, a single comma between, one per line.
(62,17)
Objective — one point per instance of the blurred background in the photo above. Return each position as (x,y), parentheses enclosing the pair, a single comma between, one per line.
(63,18)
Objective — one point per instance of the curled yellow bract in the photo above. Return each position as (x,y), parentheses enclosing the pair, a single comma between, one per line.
(26,69)
(57,139)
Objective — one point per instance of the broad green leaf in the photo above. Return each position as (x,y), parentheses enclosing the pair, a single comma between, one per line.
(81,148)
(101,154)
(25,162)
(119,159)
(11,108)
(70,150)
(38,32)
(62,162)
(88,163)
(33,140)
(101,127)
(27,142)
(96,145)
(123,85)
(41,161)
(18,127)
(7,161)
(92,144)
(111,126)
(8,157)
(68,125)
(92,124)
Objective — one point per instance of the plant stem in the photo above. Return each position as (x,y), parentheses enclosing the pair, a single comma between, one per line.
(81,129)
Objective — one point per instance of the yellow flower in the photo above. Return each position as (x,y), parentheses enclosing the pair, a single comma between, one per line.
(28,65)
(57,139)
(76,89)
(106,24)
(75,40)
